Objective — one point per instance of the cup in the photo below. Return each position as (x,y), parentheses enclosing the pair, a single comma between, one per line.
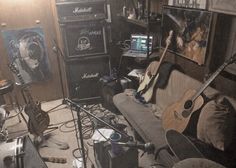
(115,148)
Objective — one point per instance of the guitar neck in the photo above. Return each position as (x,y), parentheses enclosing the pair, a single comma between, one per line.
(168,41)
(25,88)
(161,59)
(164,53)
(207,83)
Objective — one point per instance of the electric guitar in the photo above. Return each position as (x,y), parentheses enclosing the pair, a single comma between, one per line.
(38,119)
(148,83)
(177,115)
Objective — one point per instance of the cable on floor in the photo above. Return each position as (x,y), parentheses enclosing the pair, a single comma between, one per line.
(88,127)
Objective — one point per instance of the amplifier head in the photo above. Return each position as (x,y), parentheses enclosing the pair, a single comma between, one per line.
(74,11)
(78,1)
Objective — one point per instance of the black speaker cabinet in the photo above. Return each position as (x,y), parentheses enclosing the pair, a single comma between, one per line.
(81,10)
(84,39)
(83,77)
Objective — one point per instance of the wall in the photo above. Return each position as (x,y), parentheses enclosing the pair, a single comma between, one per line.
(222,45)
(18,14)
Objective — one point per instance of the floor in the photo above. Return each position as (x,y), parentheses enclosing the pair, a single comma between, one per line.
(65,135)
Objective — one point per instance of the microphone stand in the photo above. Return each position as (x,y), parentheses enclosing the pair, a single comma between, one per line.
(78,108)
(58,52)
(81,135)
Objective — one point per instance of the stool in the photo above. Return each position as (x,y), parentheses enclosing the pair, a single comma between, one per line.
(6,88)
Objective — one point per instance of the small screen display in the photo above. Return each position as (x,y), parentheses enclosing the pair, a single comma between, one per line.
(139,42)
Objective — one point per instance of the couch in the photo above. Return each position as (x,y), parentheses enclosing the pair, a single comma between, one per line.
(146,118)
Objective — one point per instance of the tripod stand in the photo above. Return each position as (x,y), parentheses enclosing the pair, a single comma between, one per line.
(78,109)
(58,52)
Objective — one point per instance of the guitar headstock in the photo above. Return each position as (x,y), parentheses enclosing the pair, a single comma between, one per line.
(232,59)
(13,68)
(168,39)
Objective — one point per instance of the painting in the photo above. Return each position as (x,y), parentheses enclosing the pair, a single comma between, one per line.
(191,29)
(26,50)
(200,4)
(223,6)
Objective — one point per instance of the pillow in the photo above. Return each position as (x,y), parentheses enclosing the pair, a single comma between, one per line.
(217,123)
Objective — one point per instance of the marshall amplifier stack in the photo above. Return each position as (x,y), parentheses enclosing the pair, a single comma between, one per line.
(84,33)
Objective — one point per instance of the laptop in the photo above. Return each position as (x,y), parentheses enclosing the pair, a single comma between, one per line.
(138,46)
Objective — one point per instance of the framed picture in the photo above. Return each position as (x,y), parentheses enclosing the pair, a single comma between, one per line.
(223,6)
(200,4)
(190,31)
(26,50)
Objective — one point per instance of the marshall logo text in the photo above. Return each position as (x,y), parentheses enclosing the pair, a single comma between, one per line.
(89,76)
(79,10)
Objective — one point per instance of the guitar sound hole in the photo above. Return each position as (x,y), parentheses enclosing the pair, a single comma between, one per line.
(188,104)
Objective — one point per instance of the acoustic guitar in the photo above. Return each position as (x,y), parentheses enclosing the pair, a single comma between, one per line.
(177,115)
(38,119)
(148,83)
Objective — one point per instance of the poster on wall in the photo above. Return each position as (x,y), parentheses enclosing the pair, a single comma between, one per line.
(191,30)
(26,50)
(223,6)
(200,4)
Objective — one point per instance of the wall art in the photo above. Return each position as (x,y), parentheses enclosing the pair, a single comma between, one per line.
(26,50)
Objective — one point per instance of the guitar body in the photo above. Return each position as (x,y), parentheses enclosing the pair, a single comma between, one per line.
(144,82)
(38,119)
(150,73)
(148,94)
(177,116)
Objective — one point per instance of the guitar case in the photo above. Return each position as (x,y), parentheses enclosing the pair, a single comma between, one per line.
(109,88)
(164,73)
(181,146)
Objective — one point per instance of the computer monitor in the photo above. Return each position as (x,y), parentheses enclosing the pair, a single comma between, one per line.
(139,42)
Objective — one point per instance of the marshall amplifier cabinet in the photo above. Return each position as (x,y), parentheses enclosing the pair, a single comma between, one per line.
(84,39)
(81,10)
(83,77)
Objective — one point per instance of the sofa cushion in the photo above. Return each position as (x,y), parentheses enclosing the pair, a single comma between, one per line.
(141,118)
(148,126)
(217,123)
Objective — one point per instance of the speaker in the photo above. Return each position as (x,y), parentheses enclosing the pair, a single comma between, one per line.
(83,77)
(84,39)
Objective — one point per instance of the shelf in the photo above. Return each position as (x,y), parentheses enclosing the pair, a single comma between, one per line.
(140,23)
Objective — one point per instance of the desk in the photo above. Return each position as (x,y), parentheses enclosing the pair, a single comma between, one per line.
(127,63)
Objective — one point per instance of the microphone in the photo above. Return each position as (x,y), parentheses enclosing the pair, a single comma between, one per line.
(147,147)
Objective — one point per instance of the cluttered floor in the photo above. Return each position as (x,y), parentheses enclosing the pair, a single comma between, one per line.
(61,141)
